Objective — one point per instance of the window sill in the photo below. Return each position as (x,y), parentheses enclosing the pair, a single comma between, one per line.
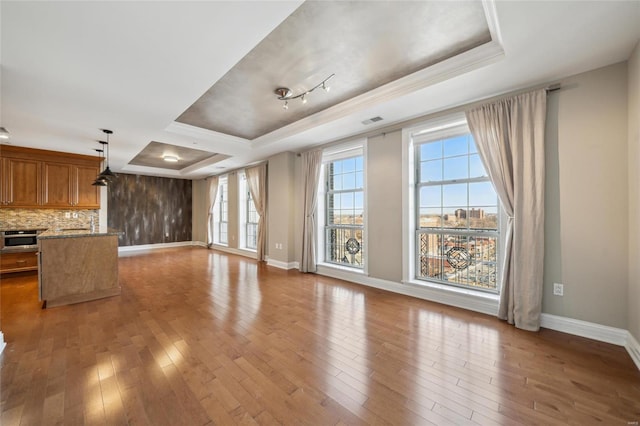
(455,290)
(333,266)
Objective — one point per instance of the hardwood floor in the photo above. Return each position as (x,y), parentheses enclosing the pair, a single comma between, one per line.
(198,337)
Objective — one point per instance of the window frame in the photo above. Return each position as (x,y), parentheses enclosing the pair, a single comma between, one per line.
(222,208)
(352,149)
(246,207)
(436,130)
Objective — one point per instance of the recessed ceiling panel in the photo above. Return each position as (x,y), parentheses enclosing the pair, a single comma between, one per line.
(153,156)
(365,44)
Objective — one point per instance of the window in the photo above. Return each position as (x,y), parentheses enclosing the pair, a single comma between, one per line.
(343,237)
(457,211)
(248,216)
(222,212)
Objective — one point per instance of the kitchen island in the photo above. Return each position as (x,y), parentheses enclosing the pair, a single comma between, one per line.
(77,265)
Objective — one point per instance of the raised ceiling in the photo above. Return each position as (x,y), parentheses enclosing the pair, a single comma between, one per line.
(356,41)
(69,69)
(153,156)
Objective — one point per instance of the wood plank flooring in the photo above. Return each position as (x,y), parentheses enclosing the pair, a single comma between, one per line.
(198,337)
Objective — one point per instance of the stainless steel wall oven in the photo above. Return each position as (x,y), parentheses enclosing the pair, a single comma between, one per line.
(19,240)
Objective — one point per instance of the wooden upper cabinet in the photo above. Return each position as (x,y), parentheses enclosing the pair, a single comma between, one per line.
(86,195)
(21,182)
(58,185)
(36,178)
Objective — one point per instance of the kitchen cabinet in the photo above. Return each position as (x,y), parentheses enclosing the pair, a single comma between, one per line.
(86,195)
(58,185)
(18,262)
(77,265)
(21,182)
(33,178)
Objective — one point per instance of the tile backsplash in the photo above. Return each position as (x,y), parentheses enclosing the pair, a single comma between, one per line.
(46,218)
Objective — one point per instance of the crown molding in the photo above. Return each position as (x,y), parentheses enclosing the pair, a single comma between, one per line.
(207,135)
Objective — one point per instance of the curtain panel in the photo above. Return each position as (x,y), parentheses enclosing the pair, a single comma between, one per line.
(212,194)
(257,183)
(510,139)
(311,165)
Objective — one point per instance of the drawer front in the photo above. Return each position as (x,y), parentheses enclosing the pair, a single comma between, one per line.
(13,262)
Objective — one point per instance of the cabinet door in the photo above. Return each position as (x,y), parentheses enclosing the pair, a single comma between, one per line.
(21,182)
(58,178)
(87,195)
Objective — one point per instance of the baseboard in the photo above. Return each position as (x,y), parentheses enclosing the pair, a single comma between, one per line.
(231,250)
(633,347)
(2,342)
(282,265)
(149,247)
(590,330)
(463,299)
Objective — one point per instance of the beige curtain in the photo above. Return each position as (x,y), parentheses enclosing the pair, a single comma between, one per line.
(212,194)
(311,165)
(257,182)
(510,139)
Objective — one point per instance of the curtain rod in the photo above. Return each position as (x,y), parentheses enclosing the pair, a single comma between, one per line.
(416,121)
(553,88)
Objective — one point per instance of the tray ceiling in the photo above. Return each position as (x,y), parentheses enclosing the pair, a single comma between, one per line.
(353,40)
(152,156)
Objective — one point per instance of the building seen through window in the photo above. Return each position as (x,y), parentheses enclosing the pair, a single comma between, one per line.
(344,212)
(457,214)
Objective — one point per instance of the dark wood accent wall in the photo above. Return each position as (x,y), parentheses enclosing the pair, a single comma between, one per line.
(149,209)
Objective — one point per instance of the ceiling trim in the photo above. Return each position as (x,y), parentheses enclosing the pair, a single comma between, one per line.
(491,14)
(203,163)
(206,135)
(151,171)
(473,59)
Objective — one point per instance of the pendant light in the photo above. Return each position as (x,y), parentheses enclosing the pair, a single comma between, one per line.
(107,174)
(100,181)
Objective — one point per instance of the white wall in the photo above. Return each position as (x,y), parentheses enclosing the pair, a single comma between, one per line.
(282,207)
(199,210)
(633,298)
(586,200)
(384,206)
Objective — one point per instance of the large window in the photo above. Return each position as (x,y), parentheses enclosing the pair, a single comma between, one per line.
(248,216)
(457,212)
(344,210)
(222,212)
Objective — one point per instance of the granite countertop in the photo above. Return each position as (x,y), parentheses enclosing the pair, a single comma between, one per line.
(77,232)
(22,228)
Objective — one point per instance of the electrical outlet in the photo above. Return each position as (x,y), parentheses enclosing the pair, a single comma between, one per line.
(67,215)
(558,289)
(75,215)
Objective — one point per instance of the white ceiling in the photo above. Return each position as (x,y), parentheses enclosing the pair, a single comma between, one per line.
(72,68)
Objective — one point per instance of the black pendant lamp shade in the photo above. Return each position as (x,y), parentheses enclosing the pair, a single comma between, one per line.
(107,175)
(100,181)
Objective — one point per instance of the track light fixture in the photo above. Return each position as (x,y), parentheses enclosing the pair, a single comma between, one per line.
(4,133)
(285,94)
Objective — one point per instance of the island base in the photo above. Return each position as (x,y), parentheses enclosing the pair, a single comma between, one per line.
(78,269)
